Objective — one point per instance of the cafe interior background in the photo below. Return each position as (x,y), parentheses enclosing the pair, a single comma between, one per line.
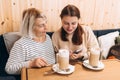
(98,14)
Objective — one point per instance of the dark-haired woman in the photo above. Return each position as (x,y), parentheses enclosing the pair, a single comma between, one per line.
(72,36)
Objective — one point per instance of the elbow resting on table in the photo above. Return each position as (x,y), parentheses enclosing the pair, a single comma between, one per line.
(11,70)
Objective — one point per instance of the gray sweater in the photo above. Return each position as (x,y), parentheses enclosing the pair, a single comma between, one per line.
(26,49)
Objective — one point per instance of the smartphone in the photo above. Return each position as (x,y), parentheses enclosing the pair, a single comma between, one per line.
(77,51)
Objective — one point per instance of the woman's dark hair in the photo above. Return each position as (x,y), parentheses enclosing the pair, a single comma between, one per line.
(71,10)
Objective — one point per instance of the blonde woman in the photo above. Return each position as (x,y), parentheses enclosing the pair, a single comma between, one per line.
(34,48)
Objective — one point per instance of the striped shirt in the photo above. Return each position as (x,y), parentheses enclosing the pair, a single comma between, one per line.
(26,49)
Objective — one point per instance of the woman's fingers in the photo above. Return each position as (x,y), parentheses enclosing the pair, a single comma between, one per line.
(39,62)
(43,62)
(74,56)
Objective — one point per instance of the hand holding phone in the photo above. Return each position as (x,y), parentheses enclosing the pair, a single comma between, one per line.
(77,51)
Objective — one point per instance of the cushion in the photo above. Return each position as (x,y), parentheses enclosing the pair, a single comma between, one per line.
(7,78)
(50,34)
(114,52)
(106,31)
(117,40)
(107,41)
(3,56)
(10,38)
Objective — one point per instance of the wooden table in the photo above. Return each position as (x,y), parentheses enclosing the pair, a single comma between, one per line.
(110,72)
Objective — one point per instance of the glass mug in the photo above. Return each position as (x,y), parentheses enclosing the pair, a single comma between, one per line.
(94,57)
(63,59)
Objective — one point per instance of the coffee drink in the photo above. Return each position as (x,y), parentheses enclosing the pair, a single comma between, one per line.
(63,59)
(94,57)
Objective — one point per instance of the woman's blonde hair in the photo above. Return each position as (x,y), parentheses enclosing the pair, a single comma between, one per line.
(28,20)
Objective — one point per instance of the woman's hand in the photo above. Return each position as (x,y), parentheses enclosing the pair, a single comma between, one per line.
(38,62)
(74,56)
